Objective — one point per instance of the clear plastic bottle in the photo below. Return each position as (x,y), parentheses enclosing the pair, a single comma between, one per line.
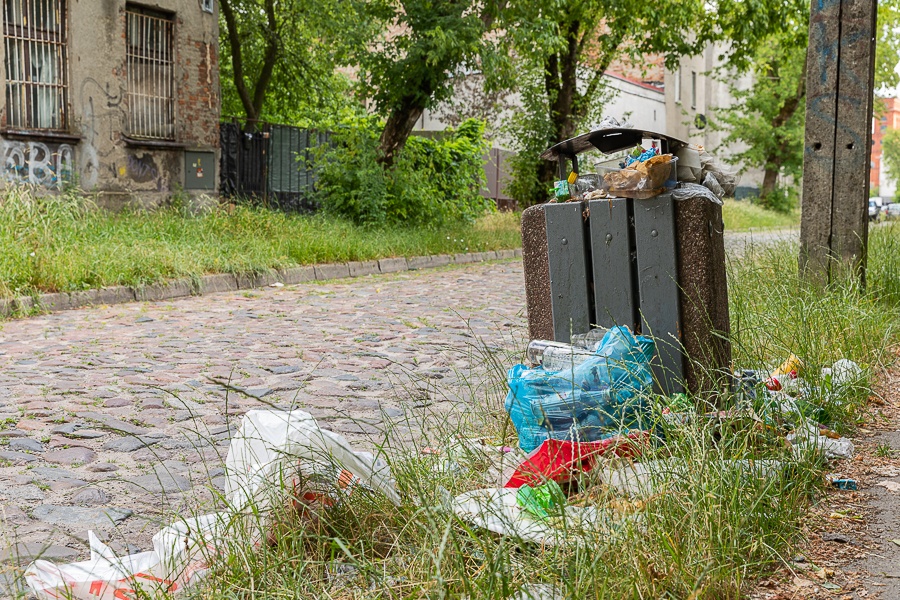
(589,340)
(556,356)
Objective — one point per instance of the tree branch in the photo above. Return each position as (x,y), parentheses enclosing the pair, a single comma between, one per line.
(237,60)
(273,47)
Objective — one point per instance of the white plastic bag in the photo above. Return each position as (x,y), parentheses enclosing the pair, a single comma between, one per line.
(272,445)
(809,436)
(268,445)
(178,559)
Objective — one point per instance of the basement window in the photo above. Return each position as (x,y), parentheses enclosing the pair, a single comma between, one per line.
(150,57)
(34,36)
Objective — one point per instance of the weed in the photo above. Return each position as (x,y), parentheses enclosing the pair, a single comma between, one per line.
(884,451)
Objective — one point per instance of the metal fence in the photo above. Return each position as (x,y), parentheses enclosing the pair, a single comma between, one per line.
(498,174)
(268,163)
(274,166)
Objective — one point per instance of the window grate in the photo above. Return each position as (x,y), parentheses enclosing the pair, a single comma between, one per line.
(151,74)
(34,35)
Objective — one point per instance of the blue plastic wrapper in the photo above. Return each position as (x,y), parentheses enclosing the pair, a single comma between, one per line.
(589,402)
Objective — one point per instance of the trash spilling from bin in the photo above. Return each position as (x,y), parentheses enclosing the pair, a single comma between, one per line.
(645,170)
(591,461)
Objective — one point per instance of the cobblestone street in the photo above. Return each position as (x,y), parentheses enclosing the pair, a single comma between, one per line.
(107,411)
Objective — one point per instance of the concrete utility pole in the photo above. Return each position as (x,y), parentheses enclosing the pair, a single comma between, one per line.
(840,80)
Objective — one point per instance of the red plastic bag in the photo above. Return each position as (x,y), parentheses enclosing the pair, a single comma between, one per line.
(562,460)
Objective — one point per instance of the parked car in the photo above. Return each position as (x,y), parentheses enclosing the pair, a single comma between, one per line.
(874,210)
(892,211)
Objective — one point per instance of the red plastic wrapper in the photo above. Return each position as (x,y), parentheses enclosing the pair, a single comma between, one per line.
(563,460)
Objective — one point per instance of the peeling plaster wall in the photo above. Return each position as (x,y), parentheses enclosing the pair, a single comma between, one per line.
(100,159)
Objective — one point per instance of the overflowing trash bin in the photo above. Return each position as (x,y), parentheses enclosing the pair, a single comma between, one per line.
(640,244)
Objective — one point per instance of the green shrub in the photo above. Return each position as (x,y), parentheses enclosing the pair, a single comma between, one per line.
(433,181)
(782,199)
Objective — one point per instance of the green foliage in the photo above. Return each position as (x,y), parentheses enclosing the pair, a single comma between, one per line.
(890,152)
(413,58)
(768,120)
(281,55)
(432,182)
(887,44)
(783,199)
(562,50)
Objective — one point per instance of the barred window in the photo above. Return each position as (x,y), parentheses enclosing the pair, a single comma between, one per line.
(151,73)
(34,35)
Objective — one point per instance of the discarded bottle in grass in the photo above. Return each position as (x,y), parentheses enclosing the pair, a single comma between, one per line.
(556,356)
(589,340)
(541,501)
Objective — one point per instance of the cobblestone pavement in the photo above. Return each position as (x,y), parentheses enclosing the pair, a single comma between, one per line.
(112,417)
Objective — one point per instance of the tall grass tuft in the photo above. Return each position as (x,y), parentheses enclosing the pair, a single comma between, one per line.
(52,243)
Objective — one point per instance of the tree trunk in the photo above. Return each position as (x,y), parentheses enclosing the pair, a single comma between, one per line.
(567,106)
(397,130)
(252,101)
(770,178)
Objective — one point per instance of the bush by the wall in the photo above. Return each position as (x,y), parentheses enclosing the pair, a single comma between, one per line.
(432,182)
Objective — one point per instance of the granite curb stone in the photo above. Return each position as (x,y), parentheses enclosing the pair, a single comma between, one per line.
(328,271)
(178,288)
(418,262)
(392,265)
(295,275)
(222,282)
(366,267)
(248,281)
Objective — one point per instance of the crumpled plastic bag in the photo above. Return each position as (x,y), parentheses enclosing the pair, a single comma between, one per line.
(687,191)
(178,560)
(271,445)
(271,448)
(588,402)
(610,122)
(809,436)
(498,510)
(562,460)
(721,181)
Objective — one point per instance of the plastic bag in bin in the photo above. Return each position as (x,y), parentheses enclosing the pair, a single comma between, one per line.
(601,395)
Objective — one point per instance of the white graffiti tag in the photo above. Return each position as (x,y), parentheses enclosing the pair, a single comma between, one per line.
(35,163)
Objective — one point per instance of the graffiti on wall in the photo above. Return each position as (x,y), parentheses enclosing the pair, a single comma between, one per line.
(142,168)
(37,163)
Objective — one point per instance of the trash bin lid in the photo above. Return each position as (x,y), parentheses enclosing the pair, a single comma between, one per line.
(610,140)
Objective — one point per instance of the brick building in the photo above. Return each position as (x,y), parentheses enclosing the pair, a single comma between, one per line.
(888,118)
(119,98)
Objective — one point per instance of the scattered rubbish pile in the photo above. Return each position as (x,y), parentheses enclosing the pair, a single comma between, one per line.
(585,414)
(580,394)
(272,449)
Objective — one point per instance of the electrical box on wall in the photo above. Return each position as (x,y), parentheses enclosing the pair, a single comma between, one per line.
(207,5)
(199,170)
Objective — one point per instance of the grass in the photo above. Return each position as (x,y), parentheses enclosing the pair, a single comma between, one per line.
(743,215)
(51,244)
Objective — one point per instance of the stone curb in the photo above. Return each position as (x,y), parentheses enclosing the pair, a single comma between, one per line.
(227,282)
